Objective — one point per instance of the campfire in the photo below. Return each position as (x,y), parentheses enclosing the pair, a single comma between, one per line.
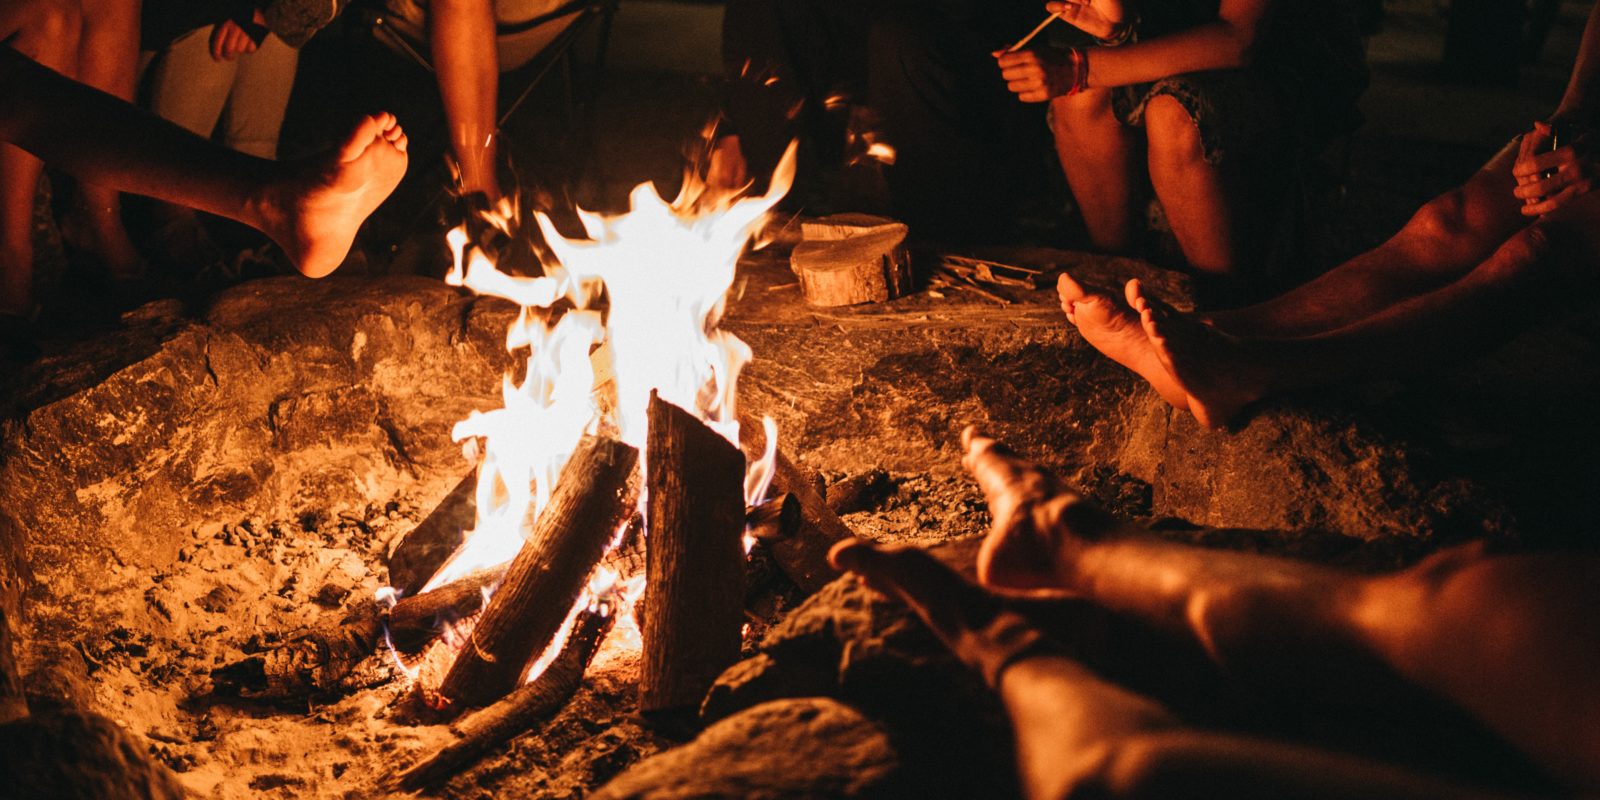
(613,505)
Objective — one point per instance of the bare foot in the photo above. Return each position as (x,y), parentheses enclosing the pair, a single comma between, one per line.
(968,620)
(1038,528)
(1209,365)
(315,215)
(1112,327)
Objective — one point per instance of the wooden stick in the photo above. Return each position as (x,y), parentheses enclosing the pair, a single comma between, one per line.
(548,574)
(1023,42)
(694,597)
(518,711)
(322,659)
(775,520)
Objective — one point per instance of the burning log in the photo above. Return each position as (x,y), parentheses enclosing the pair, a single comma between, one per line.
(438,535)
(547,576)
(694,598)
(327,659)
(775,520)
(804,556)
(520,710)
(852,261)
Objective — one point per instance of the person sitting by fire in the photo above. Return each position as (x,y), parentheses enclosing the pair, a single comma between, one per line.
(1508,641)
(904,85)
(312,208)
(1474,267)
(1218,102)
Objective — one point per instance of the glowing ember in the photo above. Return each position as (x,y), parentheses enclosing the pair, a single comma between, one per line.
(664,271)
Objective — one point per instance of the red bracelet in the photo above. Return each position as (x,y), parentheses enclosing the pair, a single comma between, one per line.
(1080,70)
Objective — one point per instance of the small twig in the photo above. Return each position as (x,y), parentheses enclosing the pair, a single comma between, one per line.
(1023,42)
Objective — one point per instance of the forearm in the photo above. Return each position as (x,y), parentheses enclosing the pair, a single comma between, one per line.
(1214,45)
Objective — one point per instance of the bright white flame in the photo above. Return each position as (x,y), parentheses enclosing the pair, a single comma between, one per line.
(665,270)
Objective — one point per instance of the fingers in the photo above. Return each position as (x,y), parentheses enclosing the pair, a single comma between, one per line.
(1558,200)
(1536,163)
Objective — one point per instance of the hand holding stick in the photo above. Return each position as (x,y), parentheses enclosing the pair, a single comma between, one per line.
(1023,42)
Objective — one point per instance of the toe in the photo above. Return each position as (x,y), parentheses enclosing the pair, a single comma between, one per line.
(368,129)
(1068,289)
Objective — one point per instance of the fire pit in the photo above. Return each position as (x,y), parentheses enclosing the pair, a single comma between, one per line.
(228,526)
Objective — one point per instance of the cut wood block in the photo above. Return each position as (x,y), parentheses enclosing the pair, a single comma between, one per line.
(844,226)
(871,266)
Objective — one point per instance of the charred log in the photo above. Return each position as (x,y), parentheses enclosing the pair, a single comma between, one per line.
(521,709)
(775,520)
(547,576)
(337,658)
(693,601)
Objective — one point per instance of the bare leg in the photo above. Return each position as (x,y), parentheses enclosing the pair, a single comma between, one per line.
(1101,160)
(1447,237)
(108,54)
(462,36)
(311,208)
(48,32)
(1512,640)
(1193,193)
(1078,734)
(1497,299)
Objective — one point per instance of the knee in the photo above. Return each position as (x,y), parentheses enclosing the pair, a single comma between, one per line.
(1444,218)
(1173,136)
(1076,116)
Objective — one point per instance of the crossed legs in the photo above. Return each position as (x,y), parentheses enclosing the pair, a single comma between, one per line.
(1461,276)
(1508,639)
(311,208)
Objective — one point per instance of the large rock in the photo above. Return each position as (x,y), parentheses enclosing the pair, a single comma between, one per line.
(807,747)
(286,397)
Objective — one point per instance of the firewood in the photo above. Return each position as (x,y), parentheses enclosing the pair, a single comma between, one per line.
(548,574)
(804,556)
(873,266)
(694,596)
(520,710)
(859,492)
(775,520)
(844,226)
(329,658)
(437,536)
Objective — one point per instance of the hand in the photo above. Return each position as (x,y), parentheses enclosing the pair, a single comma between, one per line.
(1098,18)
(1549,179)
(1036,76)
(229,41)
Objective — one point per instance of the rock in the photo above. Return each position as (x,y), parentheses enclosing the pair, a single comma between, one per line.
(808,747)
(80,756)
(288,396)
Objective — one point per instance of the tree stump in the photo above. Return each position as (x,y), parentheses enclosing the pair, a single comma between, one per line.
(850,259)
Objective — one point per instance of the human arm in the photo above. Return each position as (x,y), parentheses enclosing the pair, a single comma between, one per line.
(1226,42)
